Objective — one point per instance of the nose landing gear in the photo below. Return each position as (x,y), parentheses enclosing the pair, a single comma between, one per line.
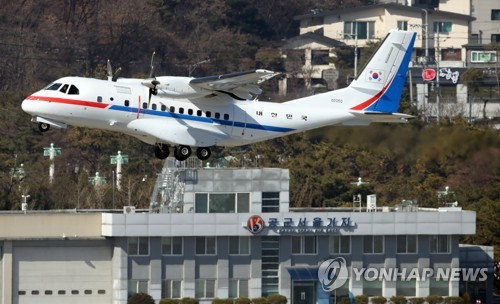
(43,127)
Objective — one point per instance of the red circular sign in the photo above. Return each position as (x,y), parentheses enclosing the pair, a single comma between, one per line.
(255,224)
(428,74)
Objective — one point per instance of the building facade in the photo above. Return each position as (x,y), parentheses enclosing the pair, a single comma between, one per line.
(236,236)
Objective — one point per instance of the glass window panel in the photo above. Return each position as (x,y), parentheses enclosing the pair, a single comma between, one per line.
(243,202)
(266,195)
(142,286)
(233,288)
(309,244)
(378,244)
(243,288)
(401,243)
(132,246)
(166,246)
(201,202)
(210,289)
(495,14)
(345,244)
(222,203)
(334,244)
(177,245)
(143,246)
(367,244)
(199,287)
(244,245)
(443,243)
(439,287)
(361,30)
(165,289)
(132,287)
(176,289)
(371,30)
(200,245)
(433,243)
(210,245)
(372,288)
(295,244)
(347,29)
(233,245)
(412,244)
(406,288)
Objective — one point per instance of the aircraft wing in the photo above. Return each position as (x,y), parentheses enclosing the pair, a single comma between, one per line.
(241,84)
(177,132)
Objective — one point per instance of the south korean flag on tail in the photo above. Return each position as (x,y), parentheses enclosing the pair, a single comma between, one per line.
(377,76)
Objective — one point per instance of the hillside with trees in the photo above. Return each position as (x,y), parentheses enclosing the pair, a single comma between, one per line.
(45,40)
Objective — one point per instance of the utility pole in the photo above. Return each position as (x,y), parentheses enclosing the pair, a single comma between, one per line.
(119,160)
(426,34)
(355,52)
(438,58)
(51,152)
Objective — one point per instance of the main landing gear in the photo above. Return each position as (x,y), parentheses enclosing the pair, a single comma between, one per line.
(181,152)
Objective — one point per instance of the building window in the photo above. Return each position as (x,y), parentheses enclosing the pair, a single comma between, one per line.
(372,288)
(495,38)
(364,30)
(320,57)
(101,291)
(87,291)
(407,244)
(304,245)
(238,288)
(270,251)
(74,292)
(138,246)
(204,289)
(48,292)
(373,244)
(21,292)
(340,244)
(171,289)
(239,245)
(35,292)
(402,25)
(406,288)
(451,54)
(171,245)
(483,57)
(495,14)
(137,286)
(270,201)
(206,245)
(222,203)
(439,287)
(443,27)
(439,243)
(61,292)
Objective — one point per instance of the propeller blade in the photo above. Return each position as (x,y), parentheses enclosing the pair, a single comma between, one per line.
(117,72)
(152,71)
(110,70)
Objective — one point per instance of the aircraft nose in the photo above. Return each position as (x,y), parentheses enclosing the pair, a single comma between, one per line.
(27,106)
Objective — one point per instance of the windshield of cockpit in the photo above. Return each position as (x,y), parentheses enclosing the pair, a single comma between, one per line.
(69,89)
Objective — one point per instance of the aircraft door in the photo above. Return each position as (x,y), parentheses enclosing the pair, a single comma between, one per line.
(239,121)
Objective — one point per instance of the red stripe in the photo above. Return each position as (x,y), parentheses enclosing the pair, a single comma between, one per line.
(92,104)
(367,103)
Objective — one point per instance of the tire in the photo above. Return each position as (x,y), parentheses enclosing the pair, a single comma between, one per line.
(203,153)
(161,151)
(43,127)
(182,152)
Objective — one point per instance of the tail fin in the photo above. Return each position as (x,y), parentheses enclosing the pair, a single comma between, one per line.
(379,86)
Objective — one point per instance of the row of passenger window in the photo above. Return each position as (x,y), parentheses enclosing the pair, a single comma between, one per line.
(163,108)
(61,292)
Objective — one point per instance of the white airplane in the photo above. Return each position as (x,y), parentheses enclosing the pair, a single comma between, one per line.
(211,111)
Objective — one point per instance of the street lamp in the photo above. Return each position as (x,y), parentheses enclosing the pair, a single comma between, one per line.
(357,197)
(97,180)
(51,152)
(119,160)
(24,205)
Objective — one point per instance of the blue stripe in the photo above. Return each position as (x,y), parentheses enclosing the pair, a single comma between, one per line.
(200,119)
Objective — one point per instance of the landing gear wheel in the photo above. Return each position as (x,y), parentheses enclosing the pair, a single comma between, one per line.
(182,152)
(43,127)
(203,153)
(161,151)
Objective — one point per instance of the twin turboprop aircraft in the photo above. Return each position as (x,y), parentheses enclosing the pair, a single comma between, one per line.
(186,112)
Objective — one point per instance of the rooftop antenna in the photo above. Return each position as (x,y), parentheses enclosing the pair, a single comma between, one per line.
(356,199)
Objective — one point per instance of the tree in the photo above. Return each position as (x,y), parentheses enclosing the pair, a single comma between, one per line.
(141,298)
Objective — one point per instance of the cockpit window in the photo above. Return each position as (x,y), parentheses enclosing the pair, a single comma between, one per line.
(64,88)
(73,90)
(53,86)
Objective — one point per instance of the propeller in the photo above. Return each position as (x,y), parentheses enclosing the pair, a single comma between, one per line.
(151,82)
(112,76)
